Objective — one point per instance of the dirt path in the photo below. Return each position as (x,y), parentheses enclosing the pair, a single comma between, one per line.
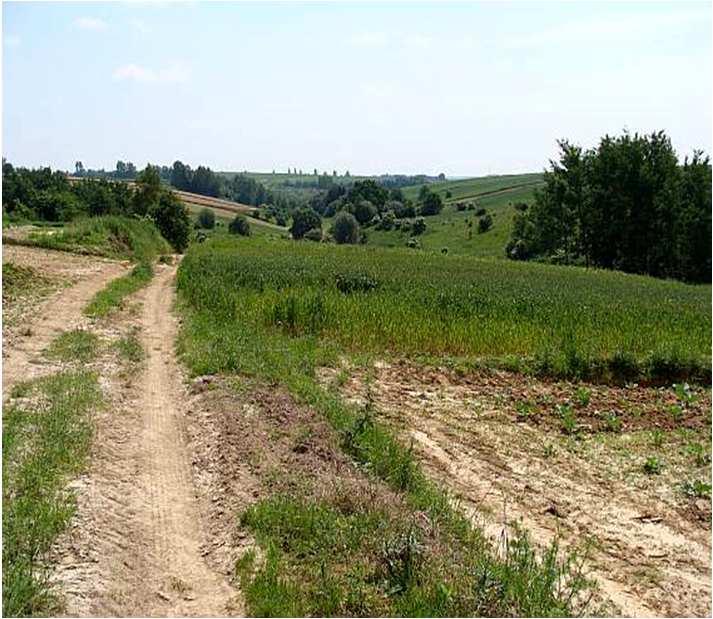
(140,537)
(63,311)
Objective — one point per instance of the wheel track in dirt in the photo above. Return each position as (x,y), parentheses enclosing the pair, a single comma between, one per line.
(138,543)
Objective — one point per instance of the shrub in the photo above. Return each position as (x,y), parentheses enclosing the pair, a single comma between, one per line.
(345,228)
(485,223)
(432,204)
(364,211)
(480,211)
(388,219)
(304,219)
(413,243)
(206,219)
(419,226)
(355,282)
(315,234)
(460,206)
(171,218)
(240,225)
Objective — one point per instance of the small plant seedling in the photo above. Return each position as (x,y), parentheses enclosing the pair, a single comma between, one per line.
(685,394)
(568,417)
(676,411)
(657,437)
(583,396)
(652,466)
(548,451)
(700,455)
(697,489)
(613,422)
(524,410)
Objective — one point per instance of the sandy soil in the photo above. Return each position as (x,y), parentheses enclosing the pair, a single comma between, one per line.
(23,344)
(138,544)
(649,546)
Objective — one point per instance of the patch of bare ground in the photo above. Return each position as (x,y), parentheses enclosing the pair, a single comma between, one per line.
(137,543)
(34,324)
(512,463)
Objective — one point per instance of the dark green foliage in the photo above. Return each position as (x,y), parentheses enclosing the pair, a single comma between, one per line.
(345,228)
(304,219)
(206,219)
(240,225)
(626,205)
(364,211)
(431,204)
(419,226)
(485,223)
(202,180)
(171,218)
(313,234)
(355,282)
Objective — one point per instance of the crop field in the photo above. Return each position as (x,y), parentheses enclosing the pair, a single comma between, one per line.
(401,301)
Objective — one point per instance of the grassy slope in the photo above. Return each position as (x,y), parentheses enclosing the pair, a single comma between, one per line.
(111,236)
(450,227)
(257,227)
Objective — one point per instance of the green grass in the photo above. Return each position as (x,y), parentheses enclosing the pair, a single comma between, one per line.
(129,347)
(111,297)
(564,321)
(111,236)
(45,443)
(78,345)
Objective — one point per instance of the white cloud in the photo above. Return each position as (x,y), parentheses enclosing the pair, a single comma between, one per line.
(175,73)
(90,23)
(369,39)
(11,40)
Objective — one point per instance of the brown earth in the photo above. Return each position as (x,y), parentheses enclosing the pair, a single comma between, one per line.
(648,544)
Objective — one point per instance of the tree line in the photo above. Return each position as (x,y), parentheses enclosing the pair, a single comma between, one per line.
(41,194)
(628,204)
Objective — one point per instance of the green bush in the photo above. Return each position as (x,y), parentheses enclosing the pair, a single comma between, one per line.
(345,228)
(206,219)
(240,225)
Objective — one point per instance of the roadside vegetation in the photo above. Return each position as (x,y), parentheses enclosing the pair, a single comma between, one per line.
(46,435)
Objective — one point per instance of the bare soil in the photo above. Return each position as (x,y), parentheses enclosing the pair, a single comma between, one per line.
(648,543)
(35,325)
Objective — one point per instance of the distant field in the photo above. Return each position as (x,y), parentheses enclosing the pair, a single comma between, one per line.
(223,219)
(472,187)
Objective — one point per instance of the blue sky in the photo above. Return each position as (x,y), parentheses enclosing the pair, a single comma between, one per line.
(464,88)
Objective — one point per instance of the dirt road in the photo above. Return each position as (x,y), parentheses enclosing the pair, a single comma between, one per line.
(60,312)
(138,547)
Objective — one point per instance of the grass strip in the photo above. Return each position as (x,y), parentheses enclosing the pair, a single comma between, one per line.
(110,298)
(45,440)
